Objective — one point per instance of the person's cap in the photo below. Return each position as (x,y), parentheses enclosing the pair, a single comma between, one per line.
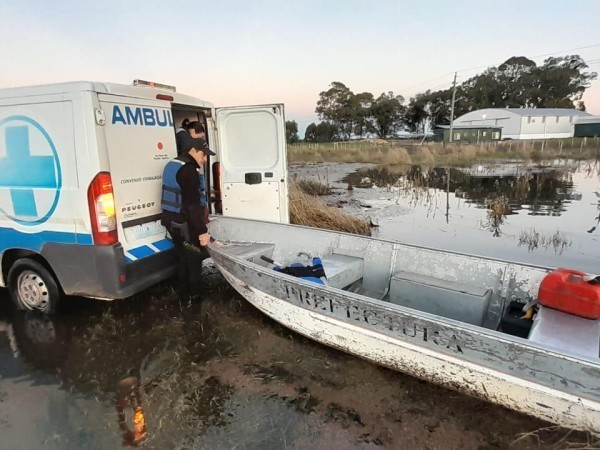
(196,143)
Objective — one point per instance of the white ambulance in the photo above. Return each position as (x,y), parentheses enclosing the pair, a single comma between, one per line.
(80,183)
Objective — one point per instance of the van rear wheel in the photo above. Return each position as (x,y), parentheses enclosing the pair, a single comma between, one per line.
(32,287)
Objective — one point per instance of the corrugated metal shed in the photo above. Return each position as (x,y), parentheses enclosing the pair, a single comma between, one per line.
(526,123)
(587,126)
(467,134)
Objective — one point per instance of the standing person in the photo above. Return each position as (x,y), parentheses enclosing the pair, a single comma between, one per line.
(196,130)
(184,206)
(188,129)
(181,133)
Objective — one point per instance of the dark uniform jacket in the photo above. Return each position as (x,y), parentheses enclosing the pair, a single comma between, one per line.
(192,210)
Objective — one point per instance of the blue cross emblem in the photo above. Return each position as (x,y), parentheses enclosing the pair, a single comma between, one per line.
(23,173)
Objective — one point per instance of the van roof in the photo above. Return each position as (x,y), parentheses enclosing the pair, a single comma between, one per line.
(125,90)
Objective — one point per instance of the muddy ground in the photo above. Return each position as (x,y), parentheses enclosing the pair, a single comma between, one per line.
(219,374)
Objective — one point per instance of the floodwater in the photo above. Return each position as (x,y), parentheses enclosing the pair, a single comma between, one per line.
(217,373)
(544,213)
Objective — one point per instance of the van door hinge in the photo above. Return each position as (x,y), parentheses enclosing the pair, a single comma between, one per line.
(100,117)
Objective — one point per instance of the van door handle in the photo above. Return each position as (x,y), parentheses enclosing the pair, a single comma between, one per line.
(253,178)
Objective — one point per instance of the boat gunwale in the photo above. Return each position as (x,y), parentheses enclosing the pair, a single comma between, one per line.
(372,238)
(441,321)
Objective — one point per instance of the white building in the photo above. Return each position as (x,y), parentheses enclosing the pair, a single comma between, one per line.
(525,123)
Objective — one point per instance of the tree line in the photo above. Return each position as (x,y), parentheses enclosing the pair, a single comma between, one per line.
(519,82)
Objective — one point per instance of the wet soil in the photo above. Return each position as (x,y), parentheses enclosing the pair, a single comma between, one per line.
(217,373)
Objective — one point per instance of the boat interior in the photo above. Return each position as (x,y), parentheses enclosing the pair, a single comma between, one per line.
(478,291)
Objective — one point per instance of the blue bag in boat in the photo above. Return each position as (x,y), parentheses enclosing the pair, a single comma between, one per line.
(314,273)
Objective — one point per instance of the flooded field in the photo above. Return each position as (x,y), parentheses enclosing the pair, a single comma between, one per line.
(216,373)
(544,213)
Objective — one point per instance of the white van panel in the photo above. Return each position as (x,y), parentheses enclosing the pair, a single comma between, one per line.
(140,139)
(38,173)
(252,153)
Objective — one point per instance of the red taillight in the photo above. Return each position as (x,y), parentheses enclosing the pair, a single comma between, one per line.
(101,202)
(216,173)
(168,98)
(216,176)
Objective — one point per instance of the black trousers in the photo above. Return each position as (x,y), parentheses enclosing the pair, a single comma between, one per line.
(190,263)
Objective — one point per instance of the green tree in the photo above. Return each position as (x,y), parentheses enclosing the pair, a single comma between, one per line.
(310,135)
(323,132)
(363,103)
(337,105)
(387,113)
(326,132)
(291,131)
(416,115)
(559,82)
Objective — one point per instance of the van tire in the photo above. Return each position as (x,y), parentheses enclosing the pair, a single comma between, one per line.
(32,287)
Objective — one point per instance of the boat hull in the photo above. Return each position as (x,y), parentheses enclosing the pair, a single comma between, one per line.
(515,393)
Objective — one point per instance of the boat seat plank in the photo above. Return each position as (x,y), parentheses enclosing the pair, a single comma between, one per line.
(451,299)
(567,333)
(250,251)
(341,270)
(358,288)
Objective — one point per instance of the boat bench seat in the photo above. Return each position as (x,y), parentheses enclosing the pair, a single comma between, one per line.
(445,298)
(341,270)
(250,252)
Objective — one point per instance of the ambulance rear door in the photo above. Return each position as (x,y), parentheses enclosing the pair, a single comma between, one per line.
(252,155)
(140,139)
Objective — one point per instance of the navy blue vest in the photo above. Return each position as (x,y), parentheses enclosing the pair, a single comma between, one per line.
(171,192)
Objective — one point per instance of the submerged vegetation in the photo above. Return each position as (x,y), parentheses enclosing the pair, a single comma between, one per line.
(407,152)
(534,239)
(309,210)
(498,209)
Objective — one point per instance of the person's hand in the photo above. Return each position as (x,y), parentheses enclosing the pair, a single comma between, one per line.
(204,239)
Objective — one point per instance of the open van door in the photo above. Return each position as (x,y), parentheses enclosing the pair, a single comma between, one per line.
(252,155)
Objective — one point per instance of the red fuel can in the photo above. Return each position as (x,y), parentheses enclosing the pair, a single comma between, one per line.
(566,290)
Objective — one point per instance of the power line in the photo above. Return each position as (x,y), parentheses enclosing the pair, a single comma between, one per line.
(490,65)
(535,56)
(428,81)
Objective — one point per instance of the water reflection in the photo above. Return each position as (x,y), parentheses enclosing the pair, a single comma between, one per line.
(597,218)
(501,189)
(131,417)
(95,358)
(42,341)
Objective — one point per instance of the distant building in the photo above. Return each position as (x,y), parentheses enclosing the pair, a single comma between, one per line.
(467,134)
(587,126)
(525,123)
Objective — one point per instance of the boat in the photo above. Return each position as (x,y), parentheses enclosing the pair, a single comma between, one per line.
(473,324)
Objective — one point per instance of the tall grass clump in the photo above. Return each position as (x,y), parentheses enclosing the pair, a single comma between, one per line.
(311,211)
(423,155)
(312,187)
(415,152)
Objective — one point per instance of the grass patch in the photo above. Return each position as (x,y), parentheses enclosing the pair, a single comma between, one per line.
(407,152)
(311,187)
(311,211)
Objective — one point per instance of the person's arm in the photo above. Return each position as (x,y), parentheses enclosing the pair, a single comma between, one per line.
(187,177)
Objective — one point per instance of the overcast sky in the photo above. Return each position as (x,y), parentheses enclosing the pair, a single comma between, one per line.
(242,52)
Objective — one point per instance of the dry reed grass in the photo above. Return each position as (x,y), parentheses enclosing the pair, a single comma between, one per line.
(400,152)
(311,211)
(311,187)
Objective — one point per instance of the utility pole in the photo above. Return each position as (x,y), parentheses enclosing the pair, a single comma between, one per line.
(450,138)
